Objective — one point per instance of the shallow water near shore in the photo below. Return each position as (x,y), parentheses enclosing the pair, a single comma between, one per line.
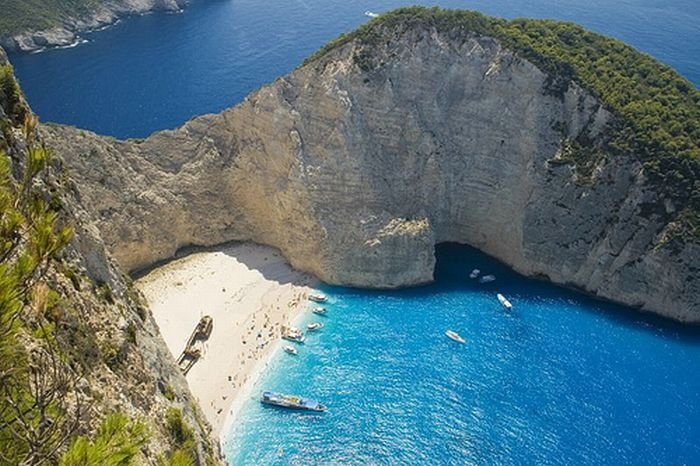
(159,70)
(562,379)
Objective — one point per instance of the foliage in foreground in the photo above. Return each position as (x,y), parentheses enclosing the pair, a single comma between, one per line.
(33,383)
(658,110)
(40,409)
(117,443)
(181,437)
(46,350)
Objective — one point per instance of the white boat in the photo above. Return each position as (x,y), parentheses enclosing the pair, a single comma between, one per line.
(455,336)
(314,326)
(318,298)
(291,402)
(293,334)
(291,350)
(371,14)
(504,302)
(322,311)
(296,338)
(487,279)
(475,273)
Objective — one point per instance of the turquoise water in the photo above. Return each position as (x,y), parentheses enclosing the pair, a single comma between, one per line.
(563,379)
(157,71)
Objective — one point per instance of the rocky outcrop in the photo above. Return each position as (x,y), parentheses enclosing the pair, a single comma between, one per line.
(355,172)
(68,33)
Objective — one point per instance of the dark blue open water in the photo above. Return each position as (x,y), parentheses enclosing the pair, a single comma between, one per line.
(562,380)
(157,71)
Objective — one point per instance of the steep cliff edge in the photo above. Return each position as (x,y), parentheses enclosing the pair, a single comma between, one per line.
(356,164)
(77,342)
(27,26)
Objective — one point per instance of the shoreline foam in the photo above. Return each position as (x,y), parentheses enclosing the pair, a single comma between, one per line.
(250,291)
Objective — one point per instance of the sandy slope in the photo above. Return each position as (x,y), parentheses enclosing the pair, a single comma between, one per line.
(250,292)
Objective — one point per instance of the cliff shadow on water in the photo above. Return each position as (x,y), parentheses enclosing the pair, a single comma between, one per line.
(454,263)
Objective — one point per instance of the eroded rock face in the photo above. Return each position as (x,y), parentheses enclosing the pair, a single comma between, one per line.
(355,175)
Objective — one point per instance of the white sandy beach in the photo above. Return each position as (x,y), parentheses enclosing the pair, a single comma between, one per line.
(250,291)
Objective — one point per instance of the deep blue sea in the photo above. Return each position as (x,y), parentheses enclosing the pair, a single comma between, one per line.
(157,71)
(563,379)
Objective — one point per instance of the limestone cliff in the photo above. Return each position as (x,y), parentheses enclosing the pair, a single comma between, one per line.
(355,166)
(70,20)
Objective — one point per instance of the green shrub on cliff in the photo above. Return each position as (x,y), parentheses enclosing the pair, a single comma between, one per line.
(181,437)
(33,384)
(658,111)
(11,95)
(117,443)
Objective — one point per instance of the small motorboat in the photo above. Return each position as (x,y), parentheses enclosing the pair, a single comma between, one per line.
(455,336)
(294,338)
(487,279)
(291,402)
(322,311)
(291,350)
(371,14)
(318,298)
(294,334)
(475,273)
(314,326)
(504,302)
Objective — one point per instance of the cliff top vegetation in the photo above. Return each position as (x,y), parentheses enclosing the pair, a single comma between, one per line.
(33,15)
(658,111)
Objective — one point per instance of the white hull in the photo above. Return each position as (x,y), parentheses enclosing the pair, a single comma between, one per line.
(504,302)
(455,336)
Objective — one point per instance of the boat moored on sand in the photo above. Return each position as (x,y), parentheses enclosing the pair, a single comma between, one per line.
(293,337)
(291,350)
(291,402)
(452,335)
(293,334)
(322,311)
(318,298)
